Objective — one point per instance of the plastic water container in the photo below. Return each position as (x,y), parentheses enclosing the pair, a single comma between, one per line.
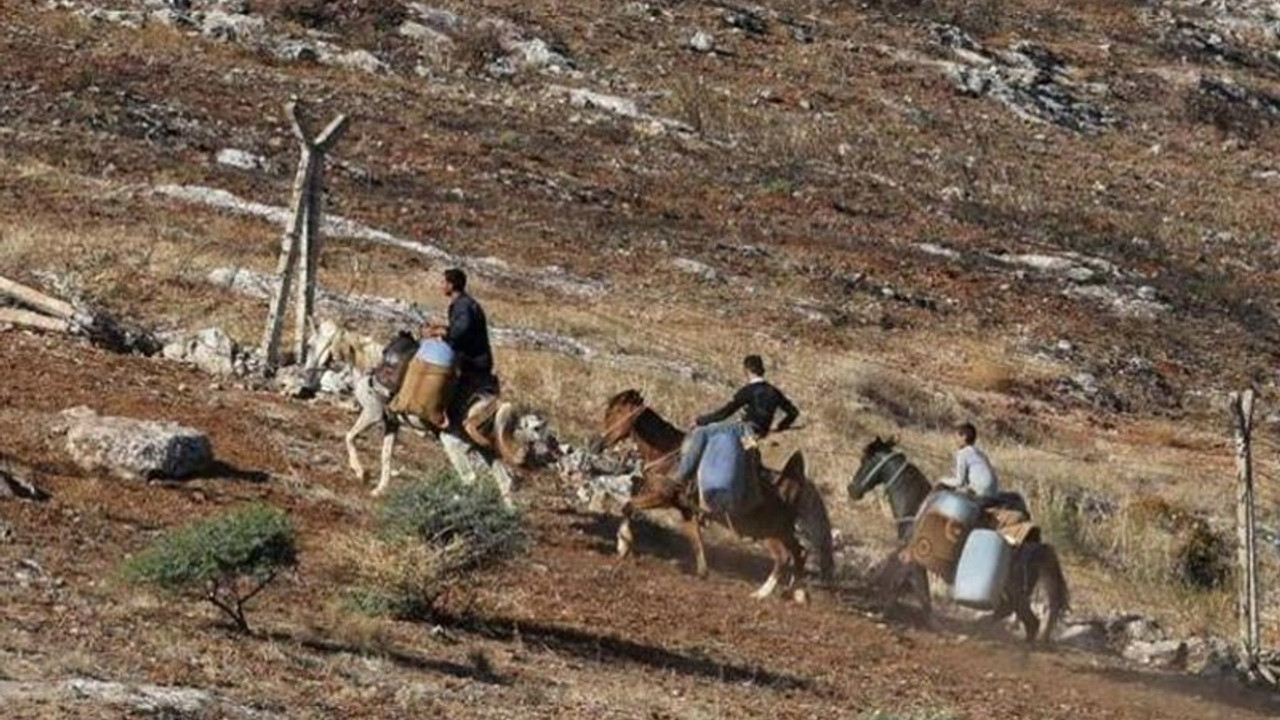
(434,351)
(722,470)
(983,570)
(955,506)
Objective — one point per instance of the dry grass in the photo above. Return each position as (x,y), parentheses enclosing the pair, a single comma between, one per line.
(991,376)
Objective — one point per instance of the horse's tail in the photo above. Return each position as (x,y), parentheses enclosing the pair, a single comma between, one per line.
(811,516)
(1049,572)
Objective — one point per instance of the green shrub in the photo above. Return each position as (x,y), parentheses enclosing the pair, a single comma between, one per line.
(431,535)
(226,560)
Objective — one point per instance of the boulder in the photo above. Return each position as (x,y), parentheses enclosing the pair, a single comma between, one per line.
(135,449)
(6,532)
(1170,654)
(240,159)
(702,42)
(211,350)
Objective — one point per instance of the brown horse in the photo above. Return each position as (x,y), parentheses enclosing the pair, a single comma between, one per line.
(787,497)
(906,487)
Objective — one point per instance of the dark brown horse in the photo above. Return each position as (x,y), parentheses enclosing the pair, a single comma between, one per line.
(906,487)
(788,497)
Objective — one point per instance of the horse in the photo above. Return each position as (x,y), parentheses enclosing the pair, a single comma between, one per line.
(516,439)
(906,488)
(787,497)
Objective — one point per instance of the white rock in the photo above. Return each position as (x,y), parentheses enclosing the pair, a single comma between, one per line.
(703,42)
(337,382)
(232,27)
(535,54)
(1163,653)
(693,267)
(240,159)
(212,351)
(361,60)
(135,449)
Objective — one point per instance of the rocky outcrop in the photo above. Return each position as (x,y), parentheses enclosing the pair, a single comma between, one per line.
(135,449)
(1030,80)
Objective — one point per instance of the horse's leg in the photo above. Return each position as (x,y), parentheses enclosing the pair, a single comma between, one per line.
(778,550)
(455,448)
(694,528)
(1027,616)
(370,415)
(648,499)
(390,429)
(796,551)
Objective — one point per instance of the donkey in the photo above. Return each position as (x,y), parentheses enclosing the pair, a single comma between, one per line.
(906,488)
(513,441)
(787,497)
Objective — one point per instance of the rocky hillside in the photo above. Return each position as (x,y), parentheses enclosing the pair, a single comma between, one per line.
(1057,219)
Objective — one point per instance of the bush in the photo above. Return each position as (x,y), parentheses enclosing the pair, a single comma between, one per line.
(431,535)
(226,560)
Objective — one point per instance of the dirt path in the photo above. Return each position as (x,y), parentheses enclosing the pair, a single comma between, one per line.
(565,633)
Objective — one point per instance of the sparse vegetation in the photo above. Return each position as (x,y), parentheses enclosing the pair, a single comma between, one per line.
(226,560)
(431,535)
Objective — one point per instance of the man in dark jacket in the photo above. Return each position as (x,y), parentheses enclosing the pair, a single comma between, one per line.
(759,402)
(467,333)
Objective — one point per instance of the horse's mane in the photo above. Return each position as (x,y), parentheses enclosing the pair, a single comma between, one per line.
(878,445)
(630,397)
(649,424)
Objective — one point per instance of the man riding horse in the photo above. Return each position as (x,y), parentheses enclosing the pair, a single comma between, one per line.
(759,402)
(974,474)
(476,391)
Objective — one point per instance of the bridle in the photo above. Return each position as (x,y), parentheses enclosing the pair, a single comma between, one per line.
(897,475)
(626,420)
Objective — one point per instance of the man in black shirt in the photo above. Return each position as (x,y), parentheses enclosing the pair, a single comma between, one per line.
(759,402)
(468,334)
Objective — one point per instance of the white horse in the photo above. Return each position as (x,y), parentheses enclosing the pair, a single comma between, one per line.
(518,438)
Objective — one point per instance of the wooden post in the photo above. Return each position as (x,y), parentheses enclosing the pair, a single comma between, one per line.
(1247,552)
(301,242)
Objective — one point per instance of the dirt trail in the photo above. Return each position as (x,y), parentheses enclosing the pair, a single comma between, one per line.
(565,633)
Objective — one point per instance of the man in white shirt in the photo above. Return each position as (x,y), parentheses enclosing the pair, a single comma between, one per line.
(973,469)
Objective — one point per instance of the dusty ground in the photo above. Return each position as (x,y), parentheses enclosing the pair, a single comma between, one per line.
(565,633)
(810,178)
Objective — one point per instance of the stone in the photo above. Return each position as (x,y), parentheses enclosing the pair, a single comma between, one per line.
(240,159)
(1171,654)
(135,449)
(536,54)
(1082,275)
(1148,293)
(212,351)
(337,382)
(361,60)
(232,27)
(1087,636)
(693,267)
(702,42)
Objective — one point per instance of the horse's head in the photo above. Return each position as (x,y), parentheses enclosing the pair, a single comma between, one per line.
(619,418)
(868,475)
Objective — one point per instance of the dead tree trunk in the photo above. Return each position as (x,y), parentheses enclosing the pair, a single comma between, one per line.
(1247,552)
(300,246)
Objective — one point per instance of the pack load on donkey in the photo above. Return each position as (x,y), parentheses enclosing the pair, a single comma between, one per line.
(428,383)
(969,545)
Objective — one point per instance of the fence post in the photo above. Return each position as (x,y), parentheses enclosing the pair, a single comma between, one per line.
(1246,547)
(301,242)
